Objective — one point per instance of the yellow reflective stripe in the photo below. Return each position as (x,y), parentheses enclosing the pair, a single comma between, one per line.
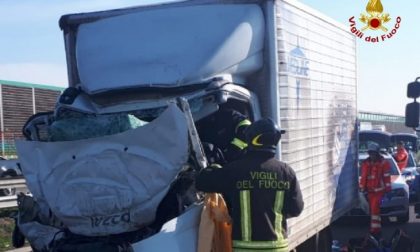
(263,250)
(243,123)
(239,143)
(215,166)
(378,189)
(278,207)
(260,244)
(245,201)
(255,140)
(280,245)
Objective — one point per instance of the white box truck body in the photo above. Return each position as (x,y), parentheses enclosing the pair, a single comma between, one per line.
(277,59)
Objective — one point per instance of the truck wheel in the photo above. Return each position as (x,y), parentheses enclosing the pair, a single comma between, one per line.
(34,249)
(320,242)
(18,239)
(404,218)
(324,240)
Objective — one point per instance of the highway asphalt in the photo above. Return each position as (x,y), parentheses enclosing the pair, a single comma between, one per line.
(354,227)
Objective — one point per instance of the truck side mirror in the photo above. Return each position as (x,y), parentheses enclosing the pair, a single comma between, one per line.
(412,111)
(413,89)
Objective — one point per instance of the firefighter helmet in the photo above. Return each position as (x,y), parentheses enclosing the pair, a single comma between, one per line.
(263,135)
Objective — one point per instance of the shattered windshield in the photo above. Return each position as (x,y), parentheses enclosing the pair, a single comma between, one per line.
(72,125)
(84,126)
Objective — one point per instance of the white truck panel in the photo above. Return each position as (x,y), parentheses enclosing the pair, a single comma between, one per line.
(160,52)
(317,93)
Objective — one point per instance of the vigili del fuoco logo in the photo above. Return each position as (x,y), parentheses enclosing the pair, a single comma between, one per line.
(375,20)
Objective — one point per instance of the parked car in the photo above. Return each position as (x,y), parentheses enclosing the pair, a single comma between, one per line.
(412,176)
(382,138)
(395,204)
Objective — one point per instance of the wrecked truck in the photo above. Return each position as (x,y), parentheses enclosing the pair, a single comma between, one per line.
(112,167)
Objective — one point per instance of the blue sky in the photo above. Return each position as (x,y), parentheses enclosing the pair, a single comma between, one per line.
(384,69)
(32,47)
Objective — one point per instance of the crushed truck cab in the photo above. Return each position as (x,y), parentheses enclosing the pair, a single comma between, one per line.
(119,133)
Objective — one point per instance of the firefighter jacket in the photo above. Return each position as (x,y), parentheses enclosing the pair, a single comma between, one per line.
(261,193)
(226,131)
(375,176)
(402,158)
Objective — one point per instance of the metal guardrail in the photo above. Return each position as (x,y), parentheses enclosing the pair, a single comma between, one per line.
(8,201)
(17,184)
(6,183)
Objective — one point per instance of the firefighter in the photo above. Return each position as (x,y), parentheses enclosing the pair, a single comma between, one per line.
(401,156)
(375,181)
(225,131)
(263,191)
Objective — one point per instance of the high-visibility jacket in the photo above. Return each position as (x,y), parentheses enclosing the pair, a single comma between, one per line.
(262,192)
(402,158)
(225,130)
(375,175)
(376,180)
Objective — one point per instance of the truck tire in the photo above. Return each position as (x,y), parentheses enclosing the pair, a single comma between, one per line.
(404,218)
(34,249)
(320,242)
(18,239)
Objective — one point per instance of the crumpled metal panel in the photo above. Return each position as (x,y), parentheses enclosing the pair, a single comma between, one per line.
(111,184)
(169,47)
